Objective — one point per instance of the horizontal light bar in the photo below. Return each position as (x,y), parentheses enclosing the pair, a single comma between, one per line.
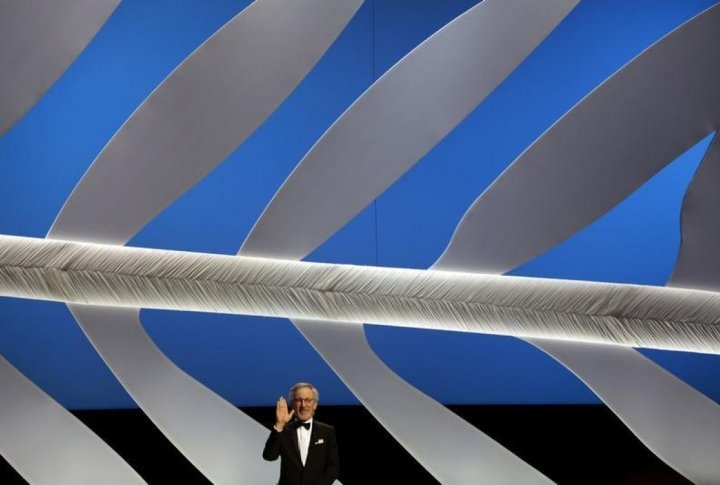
(629,315)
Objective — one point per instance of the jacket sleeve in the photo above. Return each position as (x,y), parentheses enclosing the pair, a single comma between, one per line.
(271,452)
(332,466)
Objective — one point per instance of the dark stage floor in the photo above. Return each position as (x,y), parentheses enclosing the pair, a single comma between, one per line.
(570,444)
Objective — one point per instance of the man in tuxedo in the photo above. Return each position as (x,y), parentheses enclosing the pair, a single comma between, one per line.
(307,448)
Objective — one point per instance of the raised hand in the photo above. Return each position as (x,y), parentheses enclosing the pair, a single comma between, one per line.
(282,414)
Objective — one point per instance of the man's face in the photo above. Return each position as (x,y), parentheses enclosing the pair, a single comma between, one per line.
(304,403)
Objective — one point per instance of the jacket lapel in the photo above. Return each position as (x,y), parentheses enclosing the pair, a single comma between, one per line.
(314,436)
(294,440)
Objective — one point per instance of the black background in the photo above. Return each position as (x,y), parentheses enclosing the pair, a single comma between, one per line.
(570,444)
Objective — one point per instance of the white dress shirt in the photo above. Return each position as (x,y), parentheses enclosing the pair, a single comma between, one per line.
(303,436)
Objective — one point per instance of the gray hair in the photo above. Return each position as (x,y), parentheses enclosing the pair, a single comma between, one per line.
(301,385)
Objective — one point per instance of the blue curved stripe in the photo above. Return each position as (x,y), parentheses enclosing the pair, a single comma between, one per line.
(698,262)
(615,139)
(201,112)
(386,131)
(40,39)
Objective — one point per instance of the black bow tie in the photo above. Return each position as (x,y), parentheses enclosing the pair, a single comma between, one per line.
(304,425)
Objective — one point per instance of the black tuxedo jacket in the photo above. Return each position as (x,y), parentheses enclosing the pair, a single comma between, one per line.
(321,466)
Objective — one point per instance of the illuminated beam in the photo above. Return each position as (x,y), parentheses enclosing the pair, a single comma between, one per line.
(630,315)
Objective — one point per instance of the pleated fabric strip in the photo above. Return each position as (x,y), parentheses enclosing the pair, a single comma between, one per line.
(389,128)
(630,315)
(40,39)
(49,446)
(198,115)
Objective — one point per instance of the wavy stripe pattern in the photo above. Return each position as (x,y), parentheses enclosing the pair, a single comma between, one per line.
(576,171)
(199,114)
(211,433)
(591,148)
(202,111)
(660,409)
(49,446)
(462,239)
(698,263)
(386,131)
(447,446)
(40,39)
(487,261)
(398,120)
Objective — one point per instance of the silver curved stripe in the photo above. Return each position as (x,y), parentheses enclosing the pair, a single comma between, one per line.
(49,446)
(698,263)
(423,426)
(40,39)
(399,119)
(676,422)
(186,127)
(599,152)
(199,114)
(574,173)
(214,435)
(660,409)
(696,130)
(386,131)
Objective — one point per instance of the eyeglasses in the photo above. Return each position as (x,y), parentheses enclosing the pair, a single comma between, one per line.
(307,400)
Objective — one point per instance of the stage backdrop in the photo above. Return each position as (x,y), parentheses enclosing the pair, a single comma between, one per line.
(250,361)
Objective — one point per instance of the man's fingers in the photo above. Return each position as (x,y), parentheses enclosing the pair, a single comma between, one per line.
(282,410)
